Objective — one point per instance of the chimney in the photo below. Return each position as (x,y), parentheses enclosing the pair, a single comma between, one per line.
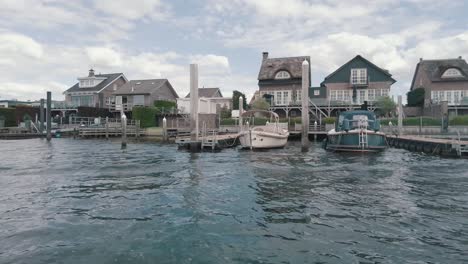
(420,59)
(91,73)
(460,57)
(265,55)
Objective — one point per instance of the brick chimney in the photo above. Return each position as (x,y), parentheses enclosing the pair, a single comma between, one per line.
(420,59)
(265,55)
(91,73)
(460,57)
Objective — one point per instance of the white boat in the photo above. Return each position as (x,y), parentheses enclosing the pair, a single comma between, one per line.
(271,135)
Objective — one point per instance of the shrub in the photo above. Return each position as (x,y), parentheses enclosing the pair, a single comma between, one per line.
(163,106)
(8,114)
(146,115)
(459,121)
(329,120)
(416,97)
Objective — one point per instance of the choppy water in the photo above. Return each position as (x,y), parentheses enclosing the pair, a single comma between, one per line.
(86,201)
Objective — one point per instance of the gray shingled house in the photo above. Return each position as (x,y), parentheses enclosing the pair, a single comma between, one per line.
(207,93)
(444,80)
(281,79)
(95,90)
(143,93)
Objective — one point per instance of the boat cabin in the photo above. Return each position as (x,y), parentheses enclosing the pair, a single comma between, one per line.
(357,119)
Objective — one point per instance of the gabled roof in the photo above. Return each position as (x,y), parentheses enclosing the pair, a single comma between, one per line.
(359,57)
(111,77)
(207,92)
(270,66)
(143,87)
(435,69)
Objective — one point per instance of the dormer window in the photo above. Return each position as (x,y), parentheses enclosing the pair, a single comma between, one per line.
(359,76)
(282,75)
(452,73)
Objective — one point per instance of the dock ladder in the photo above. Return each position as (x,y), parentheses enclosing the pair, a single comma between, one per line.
(363,139)
(206,141)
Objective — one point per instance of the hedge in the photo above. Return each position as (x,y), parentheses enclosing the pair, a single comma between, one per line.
(459,121)
(8,115)
(329,120)
(146,115)
(412,121)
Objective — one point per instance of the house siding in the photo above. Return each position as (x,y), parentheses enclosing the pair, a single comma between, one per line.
(343,75)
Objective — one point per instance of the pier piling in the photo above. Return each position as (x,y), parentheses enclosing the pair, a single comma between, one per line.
(194,102)
(305,106)
(400,115)
(107,127)
(124,130)
(165,136)
(241,109)
(48,116)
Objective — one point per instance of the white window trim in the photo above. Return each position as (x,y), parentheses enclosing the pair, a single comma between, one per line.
(282,75)
(360,78)
(452,73)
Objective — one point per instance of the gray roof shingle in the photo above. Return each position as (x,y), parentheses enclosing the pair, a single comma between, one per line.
(435,69)
(206,92)
(141,86)
(271,66)
(110,78)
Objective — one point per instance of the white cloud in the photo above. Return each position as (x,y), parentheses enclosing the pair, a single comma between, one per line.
(19,45)
(103,57)
(135,9)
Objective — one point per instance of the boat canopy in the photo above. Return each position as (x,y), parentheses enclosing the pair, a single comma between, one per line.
(357,119)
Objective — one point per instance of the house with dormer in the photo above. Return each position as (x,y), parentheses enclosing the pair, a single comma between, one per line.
(94,90)
(444,80)
(280,79)
(355,82)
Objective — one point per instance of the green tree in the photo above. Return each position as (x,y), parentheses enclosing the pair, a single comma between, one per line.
(385,105)
(235,100)
(416,97)
(225,112)
(260,104)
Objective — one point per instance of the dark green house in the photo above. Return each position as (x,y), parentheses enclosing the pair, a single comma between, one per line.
(356,81)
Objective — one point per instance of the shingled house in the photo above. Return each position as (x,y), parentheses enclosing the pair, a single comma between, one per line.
(95,89)
(281,79)
(210,99)
(443,80)
(142,93)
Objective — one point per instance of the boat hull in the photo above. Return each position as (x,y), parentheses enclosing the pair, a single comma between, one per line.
(349,141)
(262,140)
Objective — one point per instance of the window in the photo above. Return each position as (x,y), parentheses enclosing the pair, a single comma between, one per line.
(282,75)
(441,96)
(346,95)
(285,98)
(85,100)
(451,73)
(384,92)
(456,97)
(362,96)
(114,87)
(333,95)
(358,76)
(378,93)
(371,94)
(339,95)
(138,100)
(279,99)
(298,96)
(448,95)
(316,92)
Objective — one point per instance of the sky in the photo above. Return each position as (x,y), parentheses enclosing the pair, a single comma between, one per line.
(45,45)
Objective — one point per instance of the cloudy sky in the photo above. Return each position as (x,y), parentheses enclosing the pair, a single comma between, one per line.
(47,44)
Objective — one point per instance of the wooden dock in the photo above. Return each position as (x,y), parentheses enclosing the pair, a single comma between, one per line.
(436,146)
(109,132)
(208,142)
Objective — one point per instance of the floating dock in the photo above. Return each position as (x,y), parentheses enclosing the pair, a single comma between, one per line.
(436,146)
(209,142)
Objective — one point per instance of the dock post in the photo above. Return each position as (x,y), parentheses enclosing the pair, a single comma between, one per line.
(48,116)
(305,106)
(315,130)
(41,117)
(164,129)
(107,127)
(194,101)
(241,109)
(400,115)
(124,130)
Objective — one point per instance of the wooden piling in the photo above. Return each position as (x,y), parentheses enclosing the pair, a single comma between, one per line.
(400,115)
(305,106)
(194,102)
(165,135)
(107,127)
(241,110)
(48,116)
(124,130)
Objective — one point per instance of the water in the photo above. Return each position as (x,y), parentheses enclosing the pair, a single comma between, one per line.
(87,201)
